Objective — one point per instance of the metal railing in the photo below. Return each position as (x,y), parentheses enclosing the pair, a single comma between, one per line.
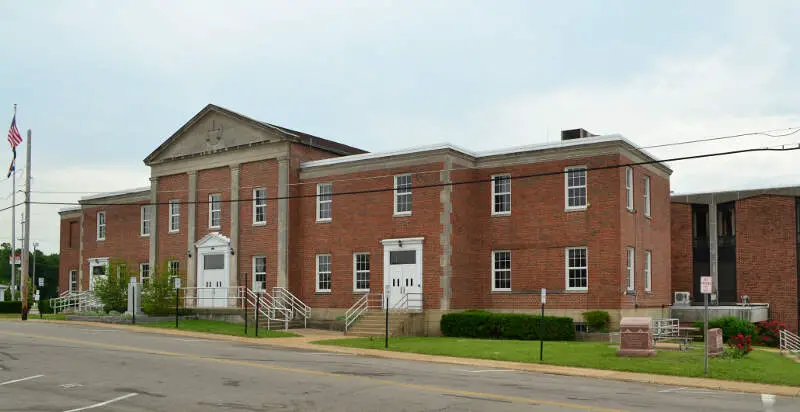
(219,298)
(284,299)
(84,301)
(409,302)
(263,305)
(365,303)
(788,341)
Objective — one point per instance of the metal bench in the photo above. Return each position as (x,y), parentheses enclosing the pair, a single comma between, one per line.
(665,330)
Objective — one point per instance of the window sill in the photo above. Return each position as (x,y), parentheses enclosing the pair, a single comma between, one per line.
(214,227)
(648,217)
(501,291)
(402,214)
(259,223)
(360,291)
(575,209)
(322,292)
(500,214)
(172,232)
(144,235)
(324,220)
(577,290)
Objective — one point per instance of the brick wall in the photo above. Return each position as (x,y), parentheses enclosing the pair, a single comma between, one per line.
(682,254)
(173,245)
(69,254)
(766,261)
(217,180)
(255,240)
(123,237)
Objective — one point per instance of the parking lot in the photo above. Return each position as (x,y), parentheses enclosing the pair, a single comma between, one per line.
(57,367)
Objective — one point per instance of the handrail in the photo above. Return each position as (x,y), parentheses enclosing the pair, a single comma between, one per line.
(355,311)
(284,296)
(191,296)
(788,341)
(403,305)
(267,307)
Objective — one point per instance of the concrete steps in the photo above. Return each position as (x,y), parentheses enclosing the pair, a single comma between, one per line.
(374,324)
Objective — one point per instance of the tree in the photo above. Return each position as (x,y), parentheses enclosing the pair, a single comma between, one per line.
(112,289)
(158,293)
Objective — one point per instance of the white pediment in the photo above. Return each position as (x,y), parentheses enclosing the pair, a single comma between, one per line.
(213,130)
(214,239)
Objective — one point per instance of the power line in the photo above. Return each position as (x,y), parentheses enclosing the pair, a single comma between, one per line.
(765,133)
(433,185)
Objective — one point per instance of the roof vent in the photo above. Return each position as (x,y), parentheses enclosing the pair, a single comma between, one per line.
(575,134)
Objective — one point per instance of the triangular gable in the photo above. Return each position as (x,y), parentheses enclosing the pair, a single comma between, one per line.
(214,239)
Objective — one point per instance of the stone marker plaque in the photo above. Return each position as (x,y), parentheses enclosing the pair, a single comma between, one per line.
(715,345)
(636,337)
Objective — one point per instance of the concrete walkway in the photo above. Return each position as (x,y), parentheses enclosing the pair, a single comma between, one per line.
(310,335)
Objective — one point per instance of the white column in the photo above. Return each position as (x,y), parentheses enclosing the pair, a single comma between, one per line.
(283,222)
(154,223)
(234,205)
(191,229)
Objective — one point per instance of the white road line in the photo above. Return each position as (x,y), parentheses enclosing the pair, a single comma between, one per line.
(20,380)
(97,405)
(194,340)
(486,370)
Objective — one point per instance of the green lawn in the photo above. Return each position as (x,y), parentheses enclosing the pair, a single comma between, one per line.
(758,366)
(59,316)
(221,328)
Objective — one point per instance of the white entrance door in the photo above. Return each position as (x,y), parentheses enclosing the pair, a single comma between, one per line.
(97,269)
(405,279)
(213,291)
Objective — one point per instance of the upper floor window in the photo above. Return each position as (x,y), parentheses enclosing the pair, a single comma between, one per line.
(146,218)
(259,206)
(577,268)
(402,195)
(214,210)
(501,194)
(629,187)
(101,225)
(575,181)
(174,216)
(324,201)
(647,196)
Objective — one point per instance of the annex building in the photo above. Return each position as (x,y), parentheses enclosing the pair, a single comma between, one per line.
(238,203)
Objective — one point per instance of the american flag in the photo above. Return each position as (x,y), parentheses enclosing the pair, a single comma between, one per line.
(13,133)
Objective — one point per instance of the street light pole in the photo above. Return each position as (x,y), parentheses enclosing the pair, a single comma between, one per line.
(35,245)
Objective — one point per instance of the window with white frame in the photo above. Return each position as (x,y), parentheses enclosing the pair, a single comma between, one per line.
(577,268)
(323,273)
(501,194)
(631,268)
(260,269)
(648,267)
(101,225)
(259,206)
(575,181)
(73,280)
(501,270)
(174,268)
(144,273)
(122,270)
(214,210)
(174,216)
(324,202)
(647,196)
(146,219)
(629,187)
(402,194)
(361,272)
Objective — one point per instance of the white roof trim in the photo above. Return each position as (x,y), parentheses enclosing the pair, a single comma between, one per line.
(69,209)
(734,190)
(117,193)
(447,146)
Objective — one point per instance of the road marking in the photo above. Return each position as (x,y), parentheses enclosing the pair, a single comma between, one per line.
(194,340)
(97,405)
(70,385)
(428,388)
(21,380)
(486,370)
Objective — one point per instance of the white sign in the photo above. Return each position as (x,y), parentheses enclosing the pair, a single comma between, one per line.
(388,290)
(177,283)
(41,282)
(544,296)
(705,284)
(17,259)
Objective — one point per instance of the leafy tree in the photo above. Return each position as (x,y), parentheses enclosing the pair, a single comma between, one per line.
(158,294)
(112,289)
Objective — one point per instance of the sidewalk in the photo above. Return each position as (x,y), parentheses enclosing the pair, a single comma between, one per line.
(311,335)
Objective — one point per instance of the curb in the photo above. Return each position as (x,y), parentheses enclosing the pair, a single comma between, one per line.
(306,342)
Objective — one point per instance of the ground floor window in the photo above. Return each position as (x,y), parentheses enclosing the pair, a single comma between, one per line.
(260,269)
(144,273)
(73,280)
(361,272)
(501,270)
(323,273)
(577,268)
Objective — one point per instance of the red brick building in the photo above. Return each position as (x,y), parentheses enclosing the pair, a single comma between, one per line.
(238,202)
(757,247)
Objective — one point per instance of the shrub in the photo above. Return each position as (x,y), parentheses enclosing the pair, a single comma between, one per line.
(731,326)
(11,306)
(45,306)
(597,320)
(739,346)
(488,325)
(768,332)
(158,295)
(112,289)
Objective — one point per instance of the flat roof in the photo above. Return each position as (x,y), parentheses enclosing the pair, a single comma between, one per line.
(735,194)
(585,141)
(116,193)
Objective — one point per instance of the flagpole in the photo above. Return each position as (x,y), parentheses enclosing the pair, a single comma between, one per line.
(14,227)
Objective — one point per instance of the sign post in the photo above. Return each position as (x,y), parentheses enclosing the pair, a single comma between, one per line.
(541,326)
(705,289)
(177,294)
(388,291)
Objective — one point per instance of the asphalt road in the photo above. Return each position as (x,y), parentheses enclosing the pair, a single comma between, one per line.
(57,367)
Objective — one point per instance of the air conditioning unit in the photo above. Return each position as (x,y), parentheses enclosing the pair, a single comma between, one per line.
(682,298)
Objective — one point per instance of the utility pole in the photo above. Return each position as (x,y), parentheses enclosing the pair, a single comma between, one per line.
(35,245)
(27,230)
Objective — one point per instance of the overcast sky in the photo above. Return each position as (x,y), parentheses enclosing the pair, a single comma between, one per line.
(101,83)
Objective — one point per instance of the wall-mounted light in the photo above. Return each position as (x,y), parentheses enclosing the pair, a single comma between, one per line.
(232,252)
(189,254)
(400,243)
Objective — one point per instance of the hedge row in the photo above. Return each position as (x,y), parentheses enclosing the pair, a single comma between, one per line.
(11,306)
(488,325)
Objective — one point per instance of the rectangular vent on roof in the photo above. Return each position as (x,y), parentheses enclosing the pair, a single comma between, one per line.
(575,134)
